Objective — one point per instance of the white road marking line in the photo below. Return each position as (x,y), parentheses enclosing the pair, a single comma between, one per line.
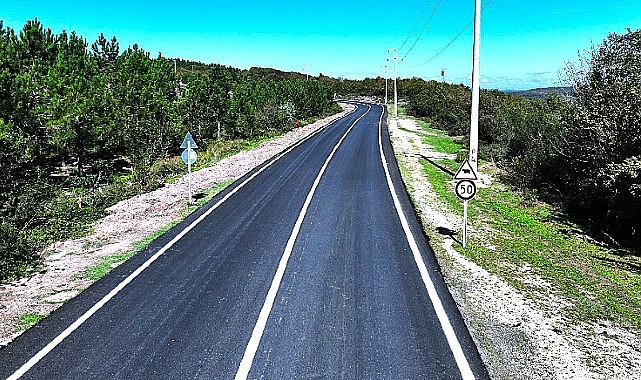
(450,335)
(261,323)
(83,318)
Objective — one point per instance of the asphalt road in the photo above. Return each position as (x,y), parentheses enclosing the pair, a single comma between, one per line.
(313,266)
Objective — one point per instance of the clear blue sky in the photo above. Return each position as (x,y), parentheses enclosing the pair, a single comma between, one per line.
(524,44)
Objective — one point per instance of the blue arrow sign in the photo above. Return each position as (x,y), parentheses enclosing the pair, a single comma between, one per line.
(188,142)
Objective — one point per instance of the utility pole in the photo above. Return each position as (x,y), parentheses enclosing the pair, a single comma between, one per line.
(395,76)
(476,60)
(307,71)
(385,70)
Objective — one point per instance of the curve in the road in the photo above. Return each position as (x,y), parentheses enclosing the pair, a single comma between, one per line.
(102,302)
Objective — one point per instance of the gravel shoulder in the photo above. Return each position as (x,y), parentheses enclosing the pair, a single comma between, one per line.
(518,337)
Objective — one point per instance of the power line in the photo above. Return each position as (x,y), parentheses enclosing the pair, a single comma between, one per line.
(422,31)
(455,38)
(415,24)
(448,45)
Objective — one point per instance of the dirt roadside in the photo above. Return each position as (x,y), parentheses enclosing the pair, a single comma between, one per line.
(517,337)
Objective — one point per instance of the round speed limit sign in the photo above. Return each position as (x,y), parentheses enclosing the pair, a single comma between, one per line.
(465,189)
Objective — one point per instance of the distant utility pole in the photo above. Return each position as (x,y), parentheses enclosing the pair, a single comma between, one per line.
(307,71)
(385,70)
(476,60)
(395,90)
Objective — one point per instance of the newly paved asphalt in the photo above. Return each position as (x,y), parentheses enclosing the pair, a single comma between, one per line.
(303,269)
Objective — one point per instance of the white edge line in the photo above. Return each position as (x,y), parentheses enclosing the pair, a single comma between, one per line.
(450,335)
(261,323)
(83,318)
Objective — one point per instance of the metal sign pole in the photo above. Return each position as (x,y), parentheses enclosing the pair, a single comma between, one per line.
(465,189)
(189,156)
(464,223)
(189,170)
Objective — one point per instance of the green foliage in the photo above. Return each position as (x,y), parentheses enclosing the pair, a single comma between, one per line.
(440,181)
(442,145)
(21,194)
(443,105)
(17,256)
(506,122)
(531,235)
(98,271)
(28,320)
(597,158)
(582,152)
(85,126)
(515,231)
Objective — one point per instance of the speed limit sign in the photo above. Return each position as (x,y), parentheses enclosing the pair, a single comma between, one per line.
(465,189)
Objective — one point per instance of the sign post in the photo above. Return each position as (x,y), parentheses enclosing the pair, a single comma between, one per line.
(465,189)
(189,156)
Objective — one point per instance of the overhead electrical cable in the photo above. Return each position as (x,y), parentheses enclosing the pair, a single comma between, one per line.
(415,25)
(454,39)
(422,31)
(448,45)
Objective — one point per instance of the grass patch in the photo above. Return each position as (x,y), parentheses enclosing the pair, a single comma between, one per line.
(426,127)
(100,270)
(25,321)
(106,265)
(520,239)
(436,138)
(442,181)
(441,144)
(439,140)
(576,268)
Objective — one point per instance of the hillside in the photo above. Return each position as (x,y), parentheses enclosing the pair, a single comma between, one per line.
(542,93)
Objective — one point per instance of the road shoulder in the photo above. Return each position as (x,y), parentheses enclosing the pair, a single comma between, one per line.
(518,337)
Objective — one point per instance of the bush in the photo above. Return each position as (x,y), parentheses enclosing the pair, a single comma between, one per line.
(17,254)
(598,157)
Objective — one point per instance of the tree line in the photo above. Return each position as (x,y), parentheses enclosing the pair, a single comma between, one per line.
(83,126)
(581,152)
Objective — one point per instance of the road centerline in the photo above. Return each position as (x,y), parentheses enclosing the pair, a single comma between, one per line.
(257,333)
(43,352)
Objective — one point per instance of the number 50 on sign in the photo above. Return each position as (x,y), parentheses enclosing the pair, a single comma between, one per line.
(465,189)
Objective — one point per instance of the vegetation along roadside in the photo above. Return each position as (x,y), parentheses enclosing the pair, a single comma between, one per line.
(546,299)
(84,126)
(512,230)
(569,206)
